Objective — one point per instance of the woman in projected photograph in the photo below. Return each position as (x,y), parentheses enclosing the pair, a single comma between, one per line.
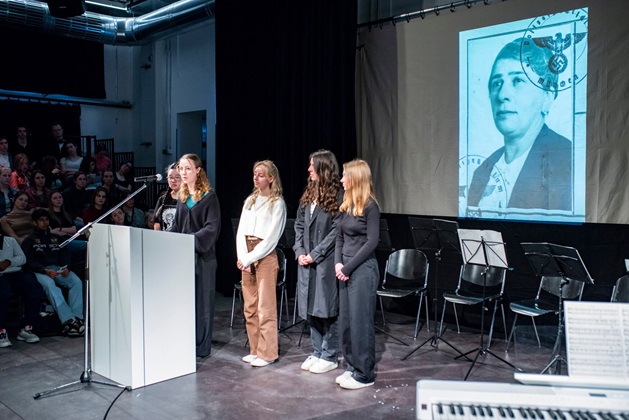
(533,169)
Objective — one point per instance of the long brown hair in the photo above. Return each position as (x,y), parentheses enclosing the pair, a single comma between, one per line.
(276,185)
(358,187)
(201,185)
(325,190)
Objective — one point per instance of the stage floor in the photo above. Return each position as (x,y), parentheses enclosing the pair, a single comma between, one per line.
(226,388)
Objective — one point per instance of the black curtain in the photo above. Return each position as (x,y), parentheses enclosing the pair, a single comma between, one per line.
(49,64)
(285,88)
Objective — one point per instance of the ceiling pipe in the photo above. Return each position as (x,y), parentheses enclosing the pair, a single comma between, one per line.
(34,15)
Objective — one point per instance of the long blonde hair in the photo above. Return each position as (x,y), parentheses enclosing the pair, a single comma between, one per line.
(201,185)
(276,185)
(358,187)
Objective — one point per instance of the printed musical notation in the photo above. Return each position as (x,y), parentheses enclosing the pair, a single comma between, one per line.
(597,339)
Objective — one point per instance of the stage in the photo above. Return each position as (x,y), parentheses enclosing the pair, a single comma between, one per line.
(224,387)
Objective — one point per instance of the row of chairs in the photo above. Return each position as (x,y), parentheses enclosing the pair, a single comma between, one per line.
(406,274)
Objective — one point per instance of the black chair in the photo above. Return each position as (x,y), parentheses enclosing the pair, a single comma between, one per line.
(620,293)
(405,274)
(281,287)
(545,302)
(476,287)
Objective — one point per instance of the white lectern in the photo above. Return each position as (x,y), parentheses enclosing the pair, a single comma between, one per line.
(142,304)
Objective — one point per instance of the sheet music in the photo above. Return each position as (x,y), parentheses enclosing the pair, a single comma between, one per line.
(597,339)
(493,254)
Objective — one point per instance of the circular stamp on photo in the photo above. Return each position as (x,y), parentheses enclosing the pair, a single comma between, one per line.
(563,38)
(495,188)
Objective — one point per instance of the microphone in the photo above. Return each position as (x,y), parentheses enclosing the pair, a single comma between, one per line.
(149,178)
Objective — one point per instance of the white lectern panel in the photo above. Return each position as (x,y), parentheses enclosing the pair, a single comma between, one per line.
(142,304)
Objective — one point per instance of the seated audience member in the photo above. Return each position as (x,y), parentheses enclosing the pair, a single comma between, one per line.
(102,160)
(117,217)
(148,219)
(94,179)
(50,263)
(51,169)
(70,163)
(113,195)
(7,194)
(62,225)
(123,177)
(76,199)
(38,194)
(23,144)
(133,215)
(17,223)
(20,178)
(97,207)
(6,159)
(12,259)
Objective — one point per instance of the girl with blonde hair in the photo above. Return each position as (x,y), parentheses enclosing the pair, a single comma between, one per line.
(261,225)
(357,270)
(199,214)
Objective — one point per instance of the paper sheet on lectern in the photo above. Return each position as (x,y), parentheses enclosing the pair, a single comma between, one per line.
(483,247)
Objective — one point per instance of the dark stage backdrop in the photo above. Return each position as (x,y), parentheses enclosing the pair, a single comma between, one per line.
(50,64)
(285,88)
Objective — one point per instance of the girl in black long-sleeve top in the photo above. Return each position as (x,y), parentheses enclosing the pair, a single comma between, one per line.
(356,267)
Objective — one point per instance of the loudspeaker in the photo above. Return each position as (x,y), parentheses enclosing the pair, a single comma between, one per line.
(66,8)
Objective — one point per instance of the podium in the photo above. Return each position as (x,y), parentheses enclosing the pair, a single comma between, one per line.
(142,304)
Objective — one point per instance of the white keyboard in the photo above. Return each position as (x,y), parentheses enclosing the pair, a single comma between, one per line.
(493,400)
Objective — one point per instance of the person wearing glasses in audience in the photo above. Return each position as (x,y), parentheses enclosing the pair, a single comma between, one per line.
(166,205)
(261,225)
(357,269)
(198,213)
(316,227)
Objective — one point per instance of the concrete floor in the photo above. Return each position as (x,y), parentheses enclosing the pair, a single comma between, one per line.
(226,388)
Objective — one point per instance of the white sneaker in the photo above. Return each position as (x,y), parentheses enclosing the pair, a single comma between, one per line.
(311,360)
(257,362)
(351,383)
(4,339)
(323,366)
(249,358)
(26,334)
(343,377)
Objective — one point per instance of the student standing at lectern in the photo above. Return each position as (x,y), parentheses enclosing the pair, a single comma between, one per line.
(198,213)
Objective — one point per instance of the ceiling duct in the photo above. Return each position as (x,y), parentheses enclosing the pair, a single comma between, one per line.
(35,15)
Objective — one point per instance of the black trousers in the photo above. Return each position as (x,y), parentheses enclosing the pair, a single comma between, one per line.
(27,286)
(357,308)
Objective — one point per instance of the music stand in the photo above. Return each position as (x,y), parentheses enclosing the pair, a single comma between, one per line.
(484,248)
(557,261)
(434,235)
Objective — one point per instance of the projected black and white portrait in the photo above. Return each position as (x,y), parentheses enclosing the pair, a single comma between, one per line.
(523,122)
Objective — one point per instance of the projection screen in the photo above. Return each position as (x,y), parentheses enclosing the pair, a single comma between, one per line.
(458,118)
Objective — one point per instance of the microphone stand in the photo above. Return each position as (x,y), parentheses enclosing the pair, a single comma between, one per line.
(86,375)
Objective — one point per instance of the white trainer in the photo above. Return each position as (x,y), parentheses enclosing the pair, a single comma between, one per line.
(351,383)
(4,339)
(323,366)
(249,358)
(311,360)
(257,362)
(343,377)
(26,334)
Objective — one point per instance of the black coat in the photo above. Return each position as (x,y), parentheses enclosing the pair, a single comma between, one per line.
(317,286)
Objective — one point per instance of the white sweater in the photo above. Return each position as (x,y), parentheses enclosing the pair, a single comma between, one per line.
(11,251)
(262,222)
